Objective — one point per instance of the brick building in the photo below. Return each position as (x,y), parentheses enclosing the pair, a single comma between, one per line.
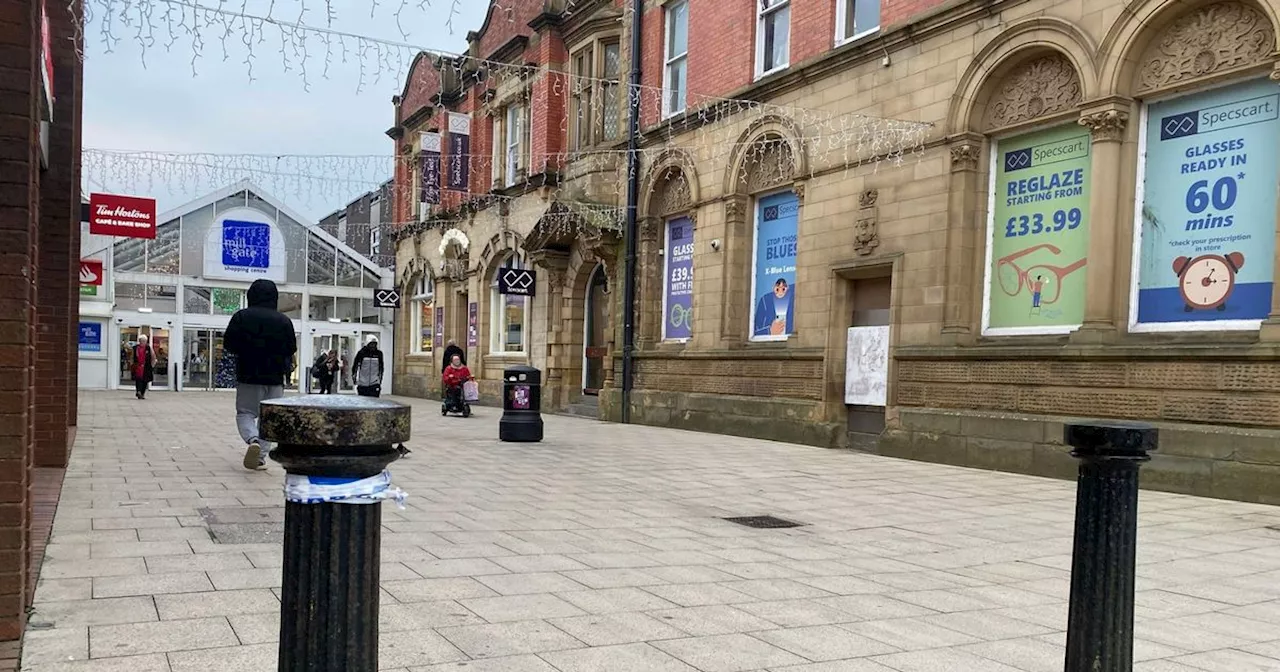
(40,105)
(362,223)
(1087,230)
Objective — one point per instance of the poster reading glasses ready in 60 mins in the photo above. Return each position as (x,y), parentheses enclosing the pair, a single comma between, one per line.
(1208,214)
(1039,232)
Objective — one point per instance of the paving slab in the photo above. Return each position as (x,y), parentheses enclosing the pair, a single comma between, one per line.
(603,548)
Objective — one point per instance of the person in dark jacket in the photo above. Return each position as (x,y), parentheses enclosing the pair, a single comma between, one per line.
(450,350)
(262,339)
(367,369)
(144,366)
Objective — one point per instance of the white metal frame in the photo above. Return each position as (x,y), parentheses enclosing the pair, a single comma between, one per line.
(425,293)
(763,14)
(843,8)
(669,59)
(755,252)
(1136,260)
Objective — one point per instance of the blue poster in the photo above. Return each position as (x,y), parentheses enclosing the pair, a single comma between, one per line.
(1209,206)
(677,303)
(246,244)
(90,337)
(773,312)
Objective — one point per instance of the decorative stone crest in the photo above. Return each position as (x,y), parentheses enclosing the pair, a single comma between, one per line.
(866,228)
(965,157)
(1038,88)
(798,190)
(1217,38)
(1107,125)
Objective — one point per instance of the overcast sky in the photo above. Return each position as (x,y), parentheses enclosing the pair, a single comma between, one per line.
(163,107)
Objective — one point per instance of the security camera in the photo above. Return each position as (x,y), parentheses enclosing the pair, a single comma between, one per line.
(715,244)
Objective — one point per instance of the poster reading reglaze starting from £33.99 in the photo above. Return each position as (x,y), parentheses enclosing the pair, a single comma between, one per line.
(1039,231)
(1209,206)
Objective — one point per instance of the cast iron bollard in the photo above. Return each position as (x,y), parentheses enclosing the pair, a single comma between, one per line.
(329,597)
(521,405)
(1100,623)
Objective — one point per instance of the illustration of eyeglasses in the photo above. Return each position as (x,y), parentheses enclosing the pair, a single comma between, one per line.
(1042,280)
(681,316)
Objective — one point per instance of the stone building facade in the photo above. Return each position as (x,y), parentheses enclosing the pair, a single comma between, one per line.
(41,81)
(1074,236)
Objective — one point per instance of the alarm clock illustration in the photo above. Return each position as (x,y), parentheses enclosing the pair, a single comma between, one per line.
(1207,281)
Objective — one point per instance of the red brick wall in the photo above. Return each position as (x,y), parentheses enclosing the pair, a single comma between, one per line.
(39,230)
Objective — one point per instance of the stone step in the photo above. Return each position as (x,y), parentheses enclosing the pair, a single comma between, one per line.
(588,407)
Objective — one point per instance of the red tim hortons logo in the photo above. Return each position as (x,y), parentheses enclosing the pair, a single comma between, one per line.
(126,216)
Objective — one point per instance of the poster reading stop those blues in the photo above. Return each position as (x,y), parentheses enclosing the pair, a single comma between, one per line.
(773,303)
(678,300)
(1208,213)
(1039,232)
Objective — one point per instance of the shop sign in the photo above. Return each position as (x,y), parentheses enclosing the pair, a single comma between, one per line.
(439,335)
(1207,219)
(90,272)
(88,290)
(240,246)
(459,152)
(90,337)
(1039,233)
(125,216)
(473,324)
(677,298)
(519,281)
(774,278)
(386,298)
(429,169)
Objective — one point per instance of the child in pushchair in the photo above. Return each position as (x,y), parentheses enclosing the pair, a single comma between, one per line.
(455,375)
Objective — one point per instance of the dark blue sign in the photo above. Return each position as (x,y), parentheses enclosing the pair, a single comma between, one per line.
(1017,160)
(246,244)
(90,337)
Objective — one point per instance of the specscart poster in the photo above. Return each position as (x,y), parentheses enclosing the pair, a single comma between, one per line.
(777,240)
(1208,218)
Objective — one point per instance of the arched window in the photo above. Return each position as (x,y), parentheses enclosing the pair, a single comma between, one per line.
(423,304)
(508,314)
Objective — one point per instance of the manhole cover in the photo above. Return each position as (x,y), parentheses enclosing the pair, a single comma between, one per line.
(763,522)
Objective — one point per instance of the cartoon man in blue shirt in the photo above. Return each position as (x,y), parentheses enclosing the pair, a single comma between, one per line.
(775,311)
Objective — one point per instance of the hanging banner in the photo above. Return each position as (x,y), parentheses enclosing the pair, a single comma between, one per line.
(774,280)
(439,335)
(473,324)
(429,169)
(1039,232)
(46,58)
(677,298)
(1208,235)
(125,216)
(459,152)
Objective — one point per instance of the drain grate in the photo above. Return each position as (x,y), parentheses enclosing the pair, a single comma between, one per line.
(763,522)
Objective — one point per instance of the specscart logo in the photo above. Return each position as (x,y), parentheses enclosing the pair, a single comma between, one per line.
(1017,160)
(1180,125)
(770,213)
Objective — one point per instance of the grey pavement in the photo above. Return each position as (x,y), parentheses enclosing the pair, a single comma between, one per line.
(603,548)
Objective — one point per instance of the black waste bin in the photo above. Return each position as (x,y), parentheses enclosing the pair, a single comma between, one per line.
(521,405)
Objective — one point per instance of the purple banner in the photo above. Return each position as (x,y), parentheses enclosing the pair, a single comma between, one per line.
(439,338)
(473,324)
(429,171)
(459,152)
(677,296)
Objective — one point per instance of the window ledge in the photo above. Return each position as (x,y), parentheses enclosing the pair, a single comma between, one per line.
(769,73)
(506,355)
(858,37)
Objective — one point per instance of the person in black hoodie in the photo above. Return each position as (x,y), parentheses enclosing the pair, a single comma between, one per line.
(262,339)
(450,350)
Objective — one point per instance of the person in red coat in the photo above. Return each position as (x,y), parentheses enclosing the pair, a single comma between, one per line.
(144,365)
(456,373)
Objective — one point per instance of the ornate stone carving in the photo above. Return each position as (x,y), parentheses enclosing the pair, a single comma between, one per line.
(1216,38)
(769,163)
(1038,88)
(650,229)
(735,210)
(798,190)
(1275,72)
(965,157)
(1107,125)
(866,229)
(675,193)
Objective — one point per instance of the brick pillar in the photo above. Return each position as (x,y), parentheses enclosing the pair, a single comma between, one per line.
(19,215)
(54,355)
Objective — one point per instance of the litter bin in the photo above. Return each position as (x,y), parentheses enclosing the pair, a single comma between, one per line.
(521,405)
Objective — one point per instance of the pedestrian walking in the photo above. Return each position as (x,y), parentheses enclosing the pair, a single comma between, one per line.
(144,366)
(326,369)
(262,340)
(367,369)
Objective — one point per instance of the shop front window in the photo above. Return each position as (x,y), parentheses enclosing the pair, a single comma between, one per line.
(773,277)
(509,316)
(423,308)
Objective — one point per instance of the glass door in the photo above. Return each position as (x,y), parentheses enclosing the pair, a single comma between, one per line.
(346,347)
(198,344)
(159,339)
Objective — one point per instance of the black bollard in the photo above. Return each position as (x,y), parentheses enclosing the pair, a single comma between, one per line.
(329,594)
(1100,622)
